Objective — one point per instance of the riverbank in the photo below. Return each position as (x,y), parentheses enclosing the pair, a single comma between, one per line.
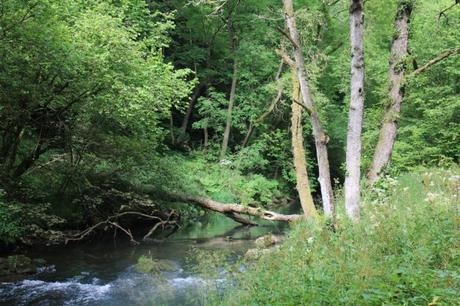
(403,251)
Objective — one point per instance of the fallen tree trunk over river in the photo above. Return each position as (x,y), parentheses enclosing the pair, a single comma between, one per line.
(233,211)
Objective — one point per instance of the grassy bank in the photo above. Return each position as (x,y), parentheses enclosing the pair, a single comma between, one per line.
(405,251)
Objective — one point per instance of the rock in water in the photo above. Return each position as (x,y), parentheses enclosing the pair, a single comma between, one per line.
(17,264)
(154,266)
(267,241)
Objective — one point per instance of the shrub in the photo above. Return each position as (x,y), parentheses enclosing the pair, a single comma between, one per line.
(404,251)
(10,228)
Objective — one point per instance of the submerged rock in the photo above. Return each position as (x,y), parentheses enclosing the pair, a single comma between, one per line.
(154,266)
(264,245)
(267,241)
(17,264)
(254,254)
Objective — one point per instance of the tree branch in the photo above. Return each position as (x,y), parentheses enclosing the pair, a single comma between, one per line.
(286,58)
(435,60)
(110,221)
(294,44)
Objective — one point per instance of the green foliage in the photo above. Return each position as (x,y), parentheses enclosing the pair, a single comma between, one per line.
(10,227)
(26,224)
(222,182)
(404,251)
(89,91)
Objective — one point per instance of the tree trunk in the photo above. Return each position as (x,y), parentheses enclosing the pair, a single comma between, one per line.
(206,136)
(231,210)
(388,131)
(231,100)
(298,152)
(188,114)
(355,115)
(321,139)
(253,125)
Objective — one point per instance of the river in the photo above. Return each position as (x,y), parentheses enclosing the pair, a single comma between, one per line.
(103,273)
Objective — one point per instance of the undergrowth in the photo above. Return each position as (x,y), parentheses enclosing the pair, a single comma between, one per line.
(404,251)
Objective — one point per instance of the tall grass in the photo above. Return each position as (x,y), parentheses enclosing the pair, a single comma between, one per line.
(404,251)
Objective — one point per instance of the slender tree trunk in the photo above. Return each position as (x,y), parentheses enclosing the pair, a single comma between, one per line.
(206,136)
(253,125)
(321,139)
(355,114)
(259,120)
(298,152)
(388,131)
(231,100)
(171,129)
(188,114)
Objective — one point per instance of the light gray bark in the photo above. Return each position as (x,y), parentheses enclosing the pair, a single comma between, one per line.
(321,139)
(388,131)
(231,210)
(355,114)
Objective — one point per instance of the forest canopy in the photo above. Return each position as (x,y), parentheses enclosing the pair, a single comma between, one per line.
(198,98)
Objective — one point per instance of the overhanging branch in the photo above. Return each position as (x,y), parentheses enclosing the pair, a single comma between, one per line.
(435,60)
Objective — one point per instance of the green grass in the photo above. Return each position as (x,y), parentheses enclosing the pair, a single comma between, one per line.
(404,251)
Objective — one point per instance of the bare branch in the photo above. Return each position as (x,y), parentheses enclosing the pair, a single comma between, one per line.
(110,221)
(291,40)
(286,58)
(443,12)
(436,60)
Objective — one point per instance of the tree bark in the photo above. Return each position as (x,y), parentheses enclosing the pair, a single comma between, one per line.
(355,115)
(238,209)
(298,152)
(188,114)
(231,210)
(388,131)
(231,100)
(321,139)
(206,136)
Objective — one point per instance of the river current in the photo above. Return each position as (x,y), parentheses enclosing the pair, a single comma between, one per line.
(103,273)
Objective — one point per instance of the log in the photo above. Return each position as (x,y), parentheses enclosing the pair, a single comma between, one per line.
(231,210)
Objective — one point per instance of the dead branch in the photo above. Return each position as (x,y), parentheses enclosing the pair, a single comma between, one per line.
(286,58)
(435,60)
(291,40)
(111,221)
(231,210)
(443,12)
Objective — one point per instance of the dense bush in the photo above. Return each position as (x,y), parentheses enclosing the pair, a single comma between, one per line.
(27,223)
(221,181)
(404,251)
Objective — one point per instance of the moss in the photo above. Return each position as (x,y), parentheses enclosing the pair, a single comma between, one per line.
(154,266)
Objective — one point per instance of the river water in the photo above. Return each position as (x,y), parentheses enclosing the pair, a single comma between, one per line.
(104,274)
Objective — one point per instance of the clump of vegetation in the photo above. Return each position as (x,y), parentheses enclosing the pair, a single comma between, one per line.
(27,224)
(403,251)
(147,264)
(10,229)
(220,181)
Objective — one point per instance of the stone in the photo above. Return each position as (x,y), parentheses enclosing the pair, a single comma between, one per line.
(154,266)
(267,241)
